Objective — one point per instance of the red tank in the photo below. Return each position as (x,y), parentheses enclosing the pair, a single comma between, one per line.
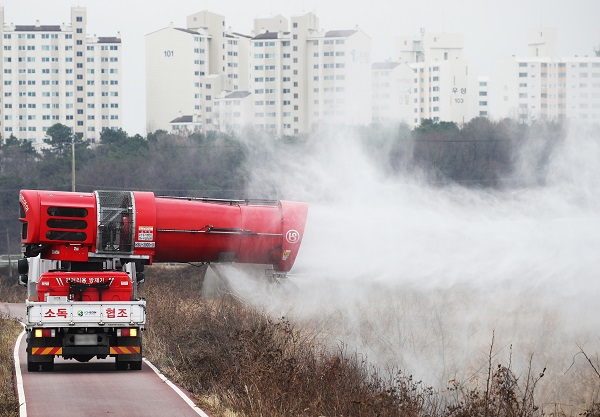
(72,226)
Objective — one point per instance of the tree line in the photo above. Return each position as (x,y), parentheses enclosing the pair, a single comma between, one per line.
(481,153)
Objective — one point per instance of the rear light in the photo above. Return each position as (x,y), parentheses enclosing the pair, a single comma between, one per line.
(124,282)
(46,283)
(127,332)
(44,332)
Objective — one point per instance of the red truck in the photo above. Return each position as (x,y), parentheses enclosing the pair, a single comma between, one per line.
(85,253)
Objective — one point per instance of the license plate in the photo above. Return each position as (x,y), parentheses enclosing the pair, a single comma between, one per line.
(85,339)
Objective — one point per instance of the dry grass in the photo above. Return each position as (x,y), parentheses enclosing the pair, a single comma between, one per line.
(239,362)
(10,290)
(9,330)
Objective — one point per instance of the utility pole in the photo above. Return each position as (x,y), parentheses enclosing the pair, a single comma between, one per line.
(73,163)
(8,251)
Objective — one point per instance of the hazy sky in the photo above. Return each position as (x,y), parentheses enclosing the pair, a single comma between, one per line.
(492,28)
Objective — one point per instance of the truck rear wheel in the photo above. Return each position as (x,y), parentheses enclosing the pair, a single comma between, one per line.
(48,366)
(135,365)
(32,366)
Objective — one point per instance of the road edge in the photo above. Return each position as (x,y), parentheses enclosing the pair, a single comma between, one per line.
(175,388)
(19,376)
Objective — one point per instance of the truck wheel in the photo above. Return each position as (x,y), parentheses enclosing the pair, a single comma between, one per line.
(33,366)
(48,366)
(135,365)
(121,365)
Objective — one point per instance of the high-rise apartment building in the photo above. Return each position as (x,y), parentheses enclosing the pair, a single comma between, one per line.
(285,79)
(57,74)
(544,86)
(339,78)
(188,68)
(392,92)
(444,85)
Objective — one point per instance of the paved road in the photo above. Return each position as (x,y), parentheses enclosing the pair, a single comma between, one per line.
(96,389)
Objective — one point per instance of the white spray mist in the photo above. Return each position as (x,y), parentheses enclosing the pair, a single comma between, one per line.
(419,276)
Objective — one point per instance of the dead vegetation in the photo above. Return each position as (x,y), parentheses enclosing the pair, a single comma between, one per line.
(9,330)
(10,290)
(238,361)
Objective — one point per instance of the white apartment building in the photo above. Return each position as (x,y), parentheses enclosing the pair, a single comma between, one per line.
(305,77)
(339,78)
(543,86)
(57,74)
(235,111)
(188,68)
(296,75)
(392,86)
(444,85)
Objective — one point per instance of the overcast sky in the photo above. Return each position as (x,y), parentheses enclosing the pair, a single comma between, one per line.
(492,29)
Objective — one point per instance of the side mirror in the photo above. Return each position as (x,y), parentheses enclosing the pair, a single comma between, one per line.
(23,280)
(23,266)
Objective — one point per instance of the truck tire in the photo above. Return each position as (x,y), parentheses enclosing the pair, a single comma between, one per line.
(32,366)
(135,365)
(48,366)
(121,365)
